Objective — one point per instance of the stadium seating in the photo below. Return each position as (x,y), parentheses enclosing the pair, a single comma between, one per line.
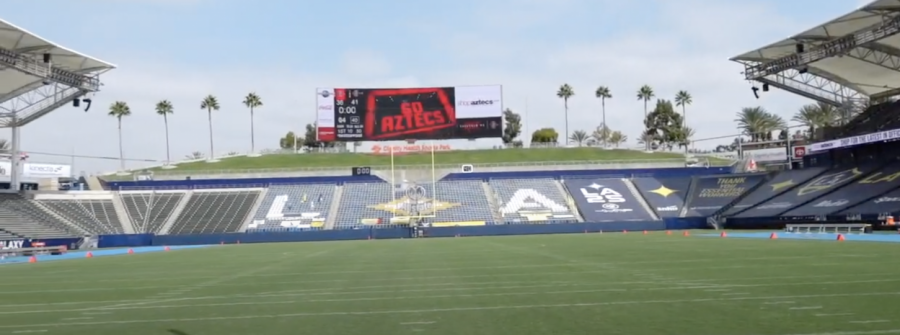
(359,203)
(518,203)
(458,202)
(216,211)
(294,207)
(22,217)
(149,211)
(94,216)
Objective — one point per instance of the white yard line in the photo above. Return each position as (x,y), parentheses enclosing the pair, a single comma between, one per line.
(417,323)
(438,310)
(834,314)
(805,307)
(871,321)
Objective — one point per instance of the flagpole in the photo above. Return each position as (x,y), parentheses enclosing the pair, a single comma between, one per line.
(393,178)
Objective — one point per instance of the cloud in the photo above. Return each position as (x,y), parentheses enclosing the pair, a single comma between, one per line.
(531,47)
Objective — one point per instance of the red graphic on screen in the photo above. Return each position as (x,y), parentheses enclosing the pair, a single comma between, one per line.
(412,116)
(340,94)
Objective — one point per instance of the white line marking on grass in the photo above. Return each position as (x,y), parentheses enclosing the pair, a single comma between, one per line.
(718,290)
(779,302)
(871,321)
(834,314)
(78,318)
(432,310)
(736,293)
(96,313)
(29,331)
(417,323)
(805,307)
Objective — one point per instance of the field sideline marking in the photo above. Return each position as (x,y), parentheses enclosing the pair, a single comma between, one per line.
(417,323)
(861,332)
(871,321)
(264,302)
(802,308)
(834,314)
(696,282)
(701,260)
(443,310)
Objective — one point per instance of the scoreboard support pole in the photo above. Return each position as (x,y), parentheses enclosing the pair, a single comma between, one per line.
(433,195)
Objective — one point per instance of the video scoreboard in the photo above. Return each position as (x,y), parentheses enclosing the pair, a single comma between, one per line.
(383,114)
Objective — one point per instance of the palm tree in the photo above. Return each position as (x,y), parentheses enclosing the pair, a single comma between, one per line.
(579,136)
(617,138)
(164,108)
(645,93)
(683,99)
(118,110)
(759,124)
(603,93)
(210,104)
(252,101)
(565,92)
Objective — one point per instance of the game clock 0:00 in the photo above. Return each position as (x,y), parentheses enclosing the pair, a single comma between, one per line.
(361,171)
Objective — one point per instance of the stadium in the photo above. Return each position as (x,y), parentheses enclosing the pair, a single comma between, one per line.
(412,239)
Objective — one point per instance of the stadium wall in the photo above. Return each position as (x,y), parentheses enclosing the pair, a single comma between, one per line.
(260,182)
(110,241)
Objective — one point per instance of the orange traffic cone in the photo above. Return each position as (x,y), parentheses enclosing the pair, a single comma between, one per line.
(624,231)
(668,232)
(130,251)
(840,237)
(89,255)
(685,233)
(32,259)
(166,248)
(645,232)
(723,234)
(773,236)
(221,242)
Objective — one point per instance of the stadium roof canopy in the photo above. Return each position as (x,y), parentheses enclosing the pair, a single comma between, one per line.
(850,59)
(29,88)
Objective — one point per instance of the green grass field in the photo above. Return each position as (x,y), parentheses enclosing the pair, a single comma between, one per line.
(511,156)
(556,284)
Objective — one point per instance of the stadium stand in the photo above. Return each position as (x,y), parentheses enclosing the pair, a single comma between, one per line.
(149,211)
(95,216)
(709,194)
(23,217)
(665,195)
(878,207)
(215,211)
(294,207)
(608,200)
(532,200)
(781,183)
(809,191)
(462,202)
(366,204)
(873,185)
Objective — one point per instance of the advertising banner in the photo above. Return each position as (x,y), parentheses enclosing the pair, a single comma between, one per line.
(767,155)
(32,171)
(880,136)
(602,200)
(712,193)
(382,114)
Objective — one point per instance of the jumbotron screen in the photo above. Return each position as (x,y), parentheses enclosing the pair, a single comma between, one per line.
(384,114)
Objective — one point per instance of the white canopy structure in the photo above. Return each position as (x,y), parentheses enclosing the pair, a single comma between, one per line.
(38,76)
(845,61)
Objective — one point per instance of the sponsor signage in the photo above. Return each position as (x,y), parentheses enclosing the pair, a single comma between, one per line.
(767,155)
(37,170)
(408,149)
(832,203)
(13,244)
(881,136)
(535,206)
(887,199)
(382,114)
(798,152)
(812,189)
(606,200)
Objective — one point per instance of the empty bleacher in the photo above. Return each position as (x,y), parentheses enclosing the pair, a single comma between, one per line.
(95,216)
(457,202)
(293,207)
(218,211)
(149,211)
(22,217)
(532,200)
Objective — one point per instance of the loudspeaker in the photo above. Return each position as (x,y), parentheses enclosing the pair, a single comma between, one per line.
(76,102)
(47,58)
(799,48)
(765,87)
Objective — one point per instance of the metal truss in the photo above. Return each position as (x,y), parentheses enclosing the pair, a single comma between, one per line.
(31,105)
(836,47)
(30,66)
(815,87)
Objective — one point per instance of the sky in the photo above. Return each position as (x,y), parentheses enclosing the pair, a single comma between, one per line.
(183,50)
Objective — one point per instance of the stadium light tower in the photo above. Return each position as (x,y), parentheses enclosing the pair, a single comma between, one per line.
(36,78)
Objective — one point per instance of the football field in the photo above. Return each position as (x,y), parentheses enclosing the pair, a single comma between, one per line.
(523,285)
